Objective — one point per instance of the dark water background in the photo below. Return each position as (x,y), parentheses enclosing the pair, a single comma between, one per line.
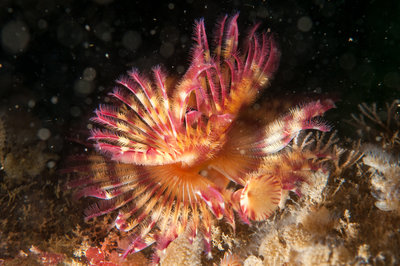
(59,57)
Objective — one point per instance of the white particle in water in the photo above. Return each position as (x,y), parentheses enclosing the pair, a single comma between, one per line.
(83,87)
(51,164)
(15,37)
(31,103)
(89,74)
(43,134)
(304,24)
(54,100)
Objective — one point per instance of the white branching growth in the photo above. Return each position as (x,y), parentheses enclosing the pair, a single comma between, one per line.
(379,126)
(385,178)
(381,129)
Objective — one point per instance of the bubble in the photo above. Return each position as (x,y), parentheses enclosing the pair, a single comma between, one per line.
(364,74)
(75,111)
(180,69)
(103,31)
(89,74)
(15,37)
(167,49)
(169,34)
(392,80)
(54,100)
(328,10)
(262,12)
(42,24)
(171,6)
(347,61)
(43,134)
(131,40)
(70,34)
(83,87)
(51,164)
(301,47)
(184,39)
(304,24)
(88,101)
(31,103)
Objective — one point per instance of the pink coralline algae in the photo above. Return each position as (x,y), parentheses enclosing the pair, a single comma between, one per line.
(174,157)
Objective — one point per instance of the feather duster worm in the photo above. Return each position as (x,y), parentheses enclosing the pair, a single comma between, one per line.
(173,158)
